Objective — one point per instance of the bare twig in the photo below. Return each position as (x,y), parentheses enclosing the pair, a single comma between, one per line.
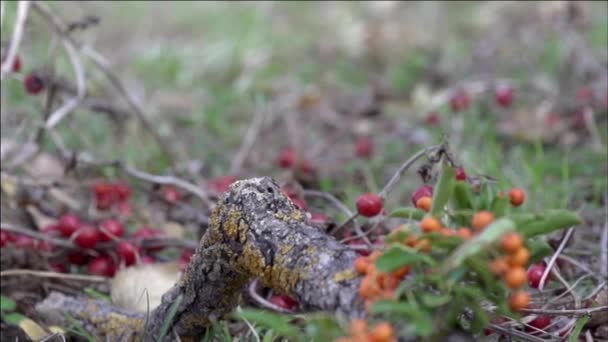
(253,292)
(22,11)
(554,258)
(575,312)
(521,335)
(403,168)
(58,242)
(338,204)
(47,274)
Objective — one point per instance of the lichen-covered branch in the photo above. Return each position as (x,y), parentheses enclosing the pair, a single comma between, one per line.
(256,231)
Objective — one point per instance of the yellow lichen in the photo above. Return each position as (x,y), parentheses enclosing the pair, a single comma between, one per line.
(347,274)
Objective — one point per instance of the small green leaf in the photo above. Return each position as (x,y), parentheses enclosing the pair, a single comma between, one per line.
(521,219)
(7,304)
(408,213)
(443,191)
(462,197)
(538,249)
(97,295)
(499,206)
(421,320)
(551,221)
(490,234)
(580,324)
(14,318)
(169,318)
(399,256)
(280,323)
(432,300)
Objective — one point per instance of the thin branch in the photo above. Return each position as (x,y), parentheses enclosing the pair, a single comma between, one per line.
(46,274)
(22,11)
(57,242)
(403,168)
(576,312)
(559,250)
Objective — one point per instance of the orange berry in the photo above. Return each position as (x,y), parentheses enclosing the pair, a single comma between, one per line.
(424,203)
(411,241)
(424,245)
(374,256)
(519,258)
(358,327)
(402,271)
(371,269)
(388,294)
(482,219)
(382,332)
(517,196)
(516,277)
(430,224)
(512,242)
(519,300)
(464,233)
(361,264)
(499,266)
(387,281)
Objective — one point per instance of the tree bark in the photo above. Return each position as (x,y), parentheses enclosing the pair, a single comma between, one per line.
(254,231)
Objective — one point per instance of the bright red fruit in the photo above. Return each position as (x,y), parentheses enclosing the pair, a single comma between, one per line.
(460,101)
(127,252)
(535,273)
(364,147)
(171,194)
(68,224)
(540,322)
(461,175)
(433,119)
(78,258)
(110,229)
(369,204)
(504,96)
(58,267)
(125,209)
(284,302)
(102,266)
(584,95)
(87,236)
(104,195)
(16,63)
(5,238)
(24,241)
(33,84)
(288,158)
(222,184)
(423,191)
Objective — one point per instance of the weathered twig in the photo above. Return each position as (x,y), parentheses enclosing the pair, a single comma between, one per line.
(22,11)
(255,232)
(554,258)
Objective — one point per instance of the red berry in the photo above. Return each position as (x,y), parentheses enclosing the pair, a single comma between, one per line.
(122,191)
(24,241)
(300,203)
(127,252)
(222,184)
(540,322)
(287,158)
(125,209)
(147,232)
(460,174)
(504,96)
(369,204)
(171,194)
(433,119)
(45,246)
(102,266)
(364,147)
(104,195)
(423,191)
(68,224)
(87,236)
(535,273)
(460,101)
(58,267)
(110,229)
(78,258)
(284,302)
(33,84)
(5,238)
(16,63)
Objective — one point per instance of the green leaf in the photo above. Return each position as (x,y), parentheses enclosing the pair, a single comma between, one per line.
(580,324)
(169,318)
(551,221)
(408,213)
(490,234)
(443,191)
(433,300)
(538,249)
(399,256)
(97,295)
(462,197)
(420,319)
(280,323)
(480,318)
(14,318)
(499,206)
(521,219)
(7,304)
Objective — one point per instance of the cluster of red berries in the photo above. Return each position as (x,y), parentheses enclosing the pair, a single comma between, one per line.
(33,83)
(289,159)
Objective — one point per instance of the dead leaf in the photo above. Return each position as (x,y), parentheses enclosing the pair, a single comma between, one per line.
(32,329)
